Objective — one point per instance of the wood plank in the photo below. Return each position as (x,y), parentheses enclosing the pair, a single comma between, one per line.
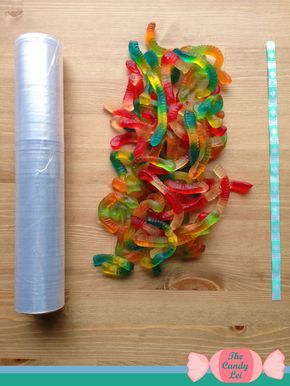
(135,321)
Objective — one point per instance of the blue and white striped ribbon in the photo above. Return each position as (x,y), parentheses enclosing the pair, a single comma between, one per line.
(274,170)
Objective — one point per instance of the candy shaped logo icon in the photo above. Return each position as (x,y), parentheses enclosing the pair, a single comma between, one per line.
(236,365)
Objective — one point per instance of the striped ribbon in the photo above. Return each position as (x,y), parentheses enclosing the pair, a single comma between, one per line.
(274,170)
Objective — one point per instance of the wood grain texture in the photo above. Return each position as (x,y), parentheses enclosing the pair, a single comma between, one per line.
(135,322)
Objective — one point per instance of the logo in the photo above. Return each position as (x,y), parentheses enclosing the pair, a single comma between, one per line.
(236,365)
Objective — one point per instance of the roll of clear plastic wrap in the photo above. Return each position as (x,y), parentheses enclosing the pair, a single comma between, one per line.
(39,273)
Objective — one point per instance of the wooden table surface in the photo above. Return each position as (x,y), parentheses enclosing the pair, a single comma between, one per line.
(135,321)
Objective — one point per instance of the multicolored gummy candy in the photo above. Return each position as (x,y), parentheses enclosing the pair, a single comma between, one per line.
(166,197)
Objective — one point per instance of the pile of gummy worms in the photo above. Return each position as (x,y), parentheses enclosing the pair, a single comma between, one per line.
(164,196)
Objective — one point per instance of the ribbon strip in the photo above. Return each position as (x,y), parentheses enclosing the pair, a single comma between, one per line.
(274,170)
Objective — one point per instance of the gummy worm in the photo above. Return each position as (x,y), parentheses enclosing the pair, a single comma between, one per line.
(190,126)
(154,80)
(151,40)
(172,200)
(207,67)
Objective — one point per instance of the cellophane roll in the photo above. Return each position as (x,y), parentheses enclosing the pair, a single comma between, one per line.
(39,273)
